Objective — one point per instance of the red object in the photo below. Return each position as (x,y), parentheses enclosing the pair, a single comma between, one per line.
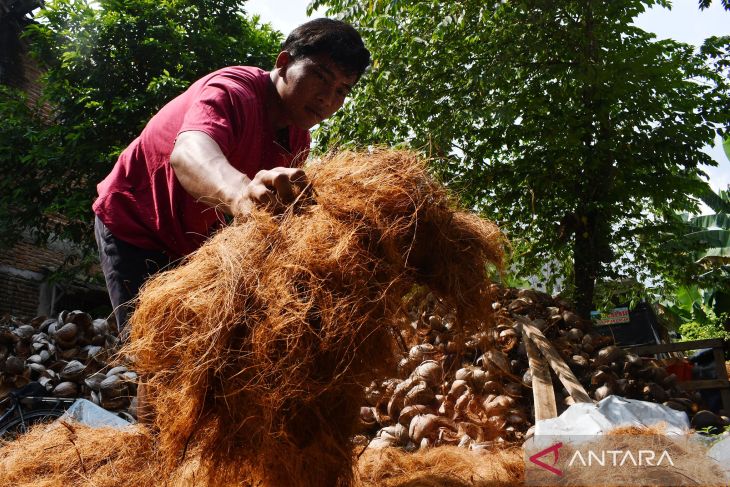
(142,202)
(682,368)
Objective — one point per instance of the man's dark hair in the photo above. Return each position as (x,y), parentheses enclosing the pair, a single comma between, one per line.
(333,37)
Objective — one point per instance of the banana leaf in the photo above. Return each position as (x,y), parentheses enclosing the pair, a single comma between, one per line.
(710,238)
(722,252)
(718,220)
(719,202)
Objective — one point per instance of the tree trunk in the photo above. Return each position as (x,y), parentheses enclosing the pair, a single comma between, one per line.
(585,265)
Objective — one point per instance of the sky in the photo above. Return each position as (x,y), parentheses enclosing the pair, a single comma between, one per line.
(684,23)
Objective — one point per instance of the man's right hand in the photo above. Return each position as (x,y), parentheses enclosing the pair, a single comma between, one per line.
(273,189)
(205,173)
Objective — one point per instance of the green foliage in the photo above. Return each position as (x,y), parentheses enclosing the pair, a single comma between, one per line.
(562,121)
(611,294)
(701,313)
(699,248)
(111,65)
(713,328)
(706,3)
(24,139)
(726,147)
(719,202)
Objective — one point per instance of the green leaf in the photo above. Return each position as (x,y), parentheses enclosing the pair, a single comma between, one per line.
(719,220)
(710,238)
(719,252)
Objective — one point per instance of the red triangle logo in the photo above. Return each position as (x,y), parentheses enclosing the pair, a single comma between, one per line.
(550,468)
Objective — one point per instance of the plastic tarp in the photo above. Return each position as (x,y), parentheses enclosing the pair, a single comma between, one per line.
(610,413)
(720,452)
(90,414)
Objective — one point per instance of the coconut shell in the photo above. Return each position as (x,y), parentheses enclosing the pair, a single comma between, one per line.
(24,332)
(94,381)
(423,426)
(430,371)
(67,333)
(420,393)
(66,389)
(81,319)
(73,371)
(36,370)
(14,365)
(35,359)
(120,369)
(112,387)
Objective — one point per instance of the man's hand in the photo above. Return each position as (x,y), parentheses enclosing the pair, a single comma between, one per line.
(273,189)
(207,176)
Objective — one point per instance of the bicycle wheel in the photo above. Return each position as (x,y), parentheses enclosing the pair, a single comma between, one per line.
(15,427)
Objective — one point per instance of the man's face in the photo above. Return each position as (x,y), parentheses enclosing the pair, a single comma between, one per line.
(312,88)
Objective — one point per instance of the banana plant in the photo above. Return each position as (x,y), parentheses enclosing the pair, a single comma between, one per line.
(712,232)
(703,305)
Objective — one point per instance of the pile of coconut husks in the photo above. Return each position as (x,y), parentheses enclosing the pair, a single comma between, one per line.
(71,355)
(453,400)
(480,396)
(258,352)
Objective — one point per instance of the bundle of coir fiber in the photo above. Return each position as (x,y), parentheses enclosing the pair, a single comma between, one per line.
(256,350)
(77,455)
(70,454)
(446,466)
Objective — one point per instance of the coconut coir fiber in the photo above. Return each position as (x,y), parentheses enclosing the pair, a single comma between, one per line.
(256,350)
(78,455)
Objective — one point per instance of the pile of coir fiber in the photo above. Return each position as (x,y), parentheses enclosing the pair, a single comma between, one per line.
(70,454)
(66,455)
(446,466)
(76,455)
(256,350)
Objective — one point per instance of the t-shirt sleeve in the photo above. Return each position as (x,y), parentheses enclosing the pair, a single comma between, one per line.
(220,112)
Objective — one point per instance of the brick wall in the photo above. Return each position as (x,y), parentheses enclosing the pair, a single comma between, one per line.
(23,271)
(24,287)
(17,68)
(28,257)
(30,74)
(19,296)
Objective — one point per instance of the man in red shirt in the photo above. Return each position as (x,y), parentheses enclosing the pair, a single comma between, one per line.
(236,138)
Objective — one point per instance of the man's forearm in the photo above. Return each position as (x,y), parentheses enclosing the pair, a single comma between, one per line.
(205,173)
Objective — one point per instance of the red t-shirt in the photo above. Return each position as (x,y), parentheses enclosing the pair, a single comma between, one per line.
(142,202)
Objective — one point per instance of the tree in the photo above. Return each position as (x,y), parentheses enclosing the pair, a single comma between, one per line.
(706,3)
(562,121)
(111,64)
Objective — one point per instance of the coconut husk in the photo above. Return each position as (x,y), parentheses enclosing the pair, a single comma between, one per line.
(446,466)
(68,454)
(72,454)
(257,349)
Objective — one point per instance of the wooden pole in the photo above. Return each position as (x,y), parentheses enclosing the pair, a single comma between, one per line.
(542,384)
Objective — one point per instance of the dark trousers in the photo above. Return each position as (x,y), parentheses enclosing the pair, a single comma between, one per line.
(125,267)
